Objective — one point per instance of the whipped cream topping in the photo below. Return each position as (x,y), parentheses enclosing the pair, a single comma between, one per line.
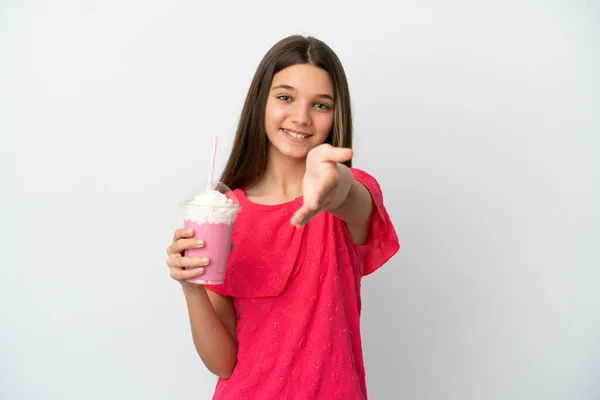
(212,207)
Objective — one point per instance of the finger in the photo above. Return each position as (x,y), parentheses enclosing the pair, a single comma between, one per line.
(337,154)
(183,233)
(186,244)
(300,214)
(314,202)
(187,262)
(307,218)
(172,251)
(173,255)
(184,274)
(303,215)
(296,218)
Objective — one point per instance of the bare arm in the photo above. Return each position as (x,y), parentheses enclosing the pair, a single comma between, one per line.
(212,317)
(328,185)
(356,207)
(213,324)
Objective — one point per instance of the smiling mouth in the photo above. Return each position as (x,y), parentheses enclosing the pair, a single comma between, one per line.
(295,135)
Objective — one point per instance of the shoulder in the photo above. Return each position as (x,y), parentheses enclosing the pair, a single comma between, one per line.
(368,181)
(361,174)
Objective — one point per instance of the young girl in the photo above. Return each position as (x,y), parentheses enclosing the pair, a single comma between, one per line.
(285,324)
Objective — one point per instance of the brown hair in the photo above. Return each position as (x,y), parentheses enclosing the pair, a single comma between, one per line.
(248,159)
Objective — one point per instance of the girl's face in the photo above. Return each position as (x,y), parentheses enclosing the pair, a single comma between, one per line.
(299,112)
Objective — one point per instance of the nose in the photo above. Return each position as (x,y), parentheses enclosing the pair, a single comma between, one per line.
(301,115)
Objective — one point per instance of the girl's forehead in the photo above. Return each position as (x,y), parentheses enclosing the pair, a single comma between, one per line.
(304,78)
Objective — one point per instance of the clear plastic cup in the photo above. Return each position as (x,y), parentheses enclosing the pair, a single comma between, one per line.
(211,213)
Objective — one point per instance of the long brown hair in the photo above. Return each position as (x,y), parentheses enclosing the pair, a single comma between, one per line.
(248,159)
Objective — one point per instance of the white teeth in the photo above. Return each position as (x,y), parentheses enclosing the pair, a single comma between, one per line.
(295,135)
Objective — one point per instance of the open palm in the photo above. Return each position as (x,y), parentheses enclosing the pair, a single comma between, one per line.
(321,181)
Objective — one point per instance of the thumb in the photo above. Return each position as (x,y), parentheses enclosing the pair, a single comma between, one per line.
(338,154)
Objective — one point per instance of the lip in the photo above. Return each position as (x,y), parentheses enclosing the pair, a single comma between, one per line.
(298,132)
(293,139)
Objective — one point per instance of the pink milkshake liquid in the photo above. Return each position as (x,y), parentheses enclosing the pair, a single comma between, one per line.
(211,213)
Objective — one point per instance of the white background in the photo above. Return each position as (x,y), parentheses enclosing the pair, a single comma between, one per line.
(480,119)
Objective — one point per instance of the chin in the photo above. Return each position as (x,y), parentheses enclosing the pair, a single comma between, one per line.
(296,154)
(292,152)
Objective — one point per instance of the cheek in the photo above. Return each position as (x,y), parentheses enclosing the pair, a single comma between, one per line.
(275,115)
(324,123)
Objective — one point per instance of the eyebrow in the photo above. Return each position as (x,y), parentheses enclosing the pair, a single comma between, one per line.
(288,87)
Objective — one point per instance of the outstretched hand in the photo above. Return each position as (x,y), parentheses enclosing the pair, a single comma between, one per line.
(323,187)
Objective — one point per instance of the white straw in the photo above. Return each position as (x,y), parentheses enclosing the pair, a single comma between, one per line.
(212,163)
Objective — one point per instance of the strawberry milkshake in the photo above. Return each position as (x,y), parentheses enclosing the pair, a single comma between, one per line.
(211,213)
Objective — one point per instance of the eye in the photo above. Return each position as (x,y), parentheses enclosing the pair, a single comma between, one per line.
(284,97)
(322,106)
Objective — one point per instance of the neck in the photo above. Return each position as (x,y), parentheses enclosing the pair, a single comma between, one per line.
(283,176)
